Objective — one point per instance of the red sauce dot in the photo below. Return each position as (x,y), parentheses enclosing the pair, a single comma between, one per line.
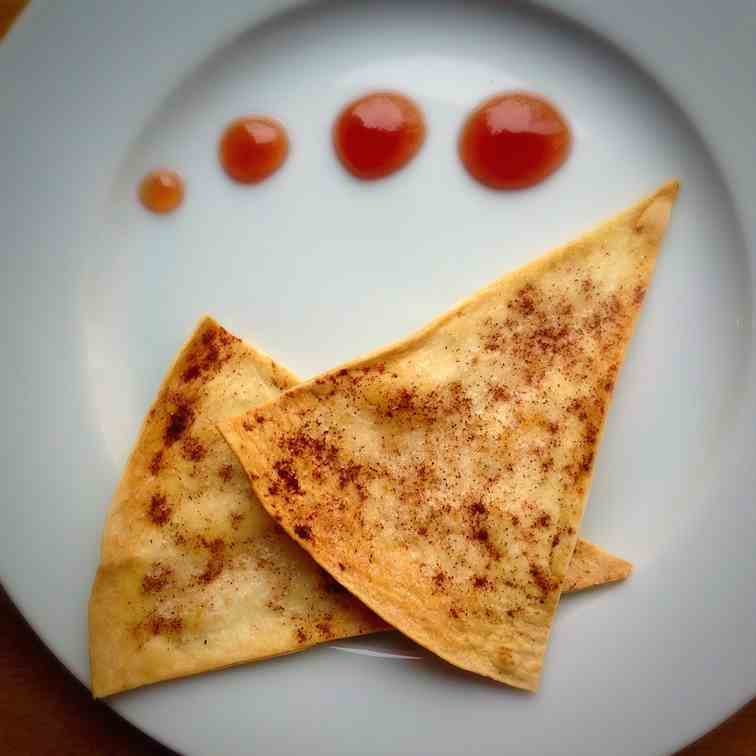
(161,191)
(514,140)
(252,148)
(378,134)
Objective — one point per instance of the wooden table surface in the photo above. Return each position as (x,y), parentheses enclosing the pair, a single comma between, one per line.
(45,710)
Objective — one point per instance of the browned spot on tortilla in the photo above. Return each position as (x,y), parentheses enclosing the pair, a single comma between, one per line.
(156,462)
(192,449)
(178,421)
(159,510)
(285,471)
(324,629)
(303,531)
(159,624)
(207,356)
(215,562)
(540,579)
(156,580)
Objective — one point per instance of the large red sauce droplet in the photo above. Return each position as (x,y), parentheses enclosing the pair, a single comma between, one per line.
(378,134)
(514,140)
(161,191)
(252,148)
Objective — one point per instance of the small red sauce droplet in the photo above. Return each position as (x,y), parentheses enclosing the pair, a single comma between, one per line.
(378,134)
(253,148)
(161,191)
(514,140)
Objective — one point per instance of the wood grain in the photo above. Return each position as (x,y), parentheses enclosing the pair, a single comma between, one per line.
(45,710)
(10,10)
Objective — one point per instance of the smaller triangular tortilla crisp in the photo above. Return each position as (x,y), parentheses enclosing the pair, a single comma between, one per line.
(194,574)
(442,480)
(591,566)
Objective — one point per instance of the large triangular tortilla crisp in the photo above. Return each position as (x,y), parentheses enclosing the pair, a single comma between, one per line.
(442,480)
(195,575)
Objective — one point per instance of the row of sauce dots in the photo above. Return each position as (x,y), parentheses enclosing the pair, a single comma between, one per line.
(510,141)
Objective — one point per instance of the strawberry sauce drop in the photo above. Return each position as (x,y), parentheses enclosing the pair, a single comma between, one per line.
(514,140)
(378,134)
(161,191)
(253,148)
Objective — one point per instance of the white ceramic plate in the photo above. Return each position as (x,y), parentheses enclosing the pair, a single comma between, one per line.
(314,267)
